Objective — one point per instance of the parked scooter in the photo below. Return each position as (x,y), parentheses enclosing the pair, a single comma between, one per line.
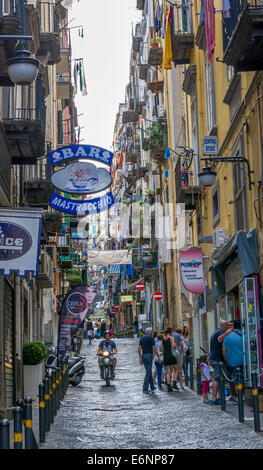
(106,367)
(75,363)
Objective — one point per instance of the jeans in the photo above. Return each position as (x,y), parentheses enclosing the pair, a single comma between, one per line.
(159,368)
(147,360)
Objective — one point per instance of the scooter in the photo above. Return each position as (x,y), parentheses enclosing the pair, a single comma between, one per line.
(75,363)
(106,368)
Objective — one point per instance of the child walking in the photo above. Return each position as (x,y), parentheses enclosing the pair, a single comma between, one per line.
(205,377)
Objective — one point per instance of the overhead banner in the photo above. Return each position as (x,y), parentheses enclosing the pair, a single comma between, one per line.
(74,309)
(191,267)
(81,178)
(109,257)
(20,232)
(72,152)
(91,206)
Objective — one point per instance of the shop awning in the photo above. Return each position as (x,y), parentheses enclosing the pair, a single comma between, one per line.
(242,246)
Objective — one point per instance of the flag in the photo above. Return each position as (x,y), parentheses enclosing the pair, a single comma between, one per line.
(168,54)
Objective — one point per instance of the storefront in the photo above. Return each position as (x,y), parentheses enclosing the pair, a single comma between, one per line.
(235,275)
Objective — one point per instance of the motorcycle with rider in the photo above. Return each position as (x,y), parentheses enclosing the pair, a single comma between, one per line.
(106,353)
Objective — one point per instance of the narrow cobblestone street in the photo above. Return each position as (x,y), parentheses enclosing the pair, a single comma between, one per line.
(121,417)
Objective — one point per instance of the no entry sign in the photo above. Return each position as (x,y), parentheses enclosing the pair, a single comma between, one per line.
(139,286)
(157,295)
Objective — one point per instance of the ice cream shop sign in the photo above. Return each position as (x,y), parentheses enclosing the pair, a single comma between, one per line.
(191,267)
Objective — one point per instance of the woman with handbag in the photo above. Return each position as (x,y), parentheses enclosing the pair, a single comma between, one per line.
(159,362)
(170,362)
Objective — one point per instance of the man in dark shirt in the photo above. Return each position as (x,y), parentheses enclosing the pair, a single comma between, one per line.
(216,357)
(145,351)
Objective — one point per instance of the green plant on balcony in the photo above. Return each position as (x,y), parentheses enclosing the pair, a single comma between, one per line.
(156,134)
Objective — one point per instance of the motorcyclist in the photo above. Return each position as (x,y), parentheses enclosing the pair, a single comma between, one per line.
(90,328)
(107,344)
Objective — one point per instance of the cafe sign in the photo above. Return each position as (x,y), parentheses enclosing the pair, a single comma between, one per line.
(78,152)
(81,178)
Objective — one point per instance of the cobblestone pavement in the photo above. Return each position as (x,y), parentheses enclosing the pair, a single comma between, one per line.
(94,416)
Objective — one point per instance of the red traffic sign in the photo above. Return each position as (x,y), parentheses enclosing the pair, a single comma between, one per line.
(139,286)
(116,306)
(157,295)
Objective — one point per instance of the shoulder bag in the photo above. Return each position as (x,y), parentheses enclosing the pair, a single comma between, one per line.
(175,352)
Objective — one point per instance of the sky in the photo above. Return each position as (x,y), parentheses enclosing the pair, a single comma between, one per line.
(105,48)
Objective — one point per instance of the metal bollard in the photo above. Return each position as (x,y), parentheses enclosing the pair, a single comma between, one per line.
(57,389)
(47,404)
(18,427)
(54,393)
(240,396)
(198,377)
(222,388)
(42,412)
(4,434)
(255,401)
(28,423)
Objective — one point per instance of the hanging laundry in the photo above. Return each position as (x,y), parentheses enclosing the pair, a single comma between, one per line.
(210,29)
(226,8)
(168,54)
(84,91)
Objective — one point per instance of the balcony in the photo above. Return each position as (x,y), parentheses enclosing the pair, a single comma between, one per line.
(49,32)
(37,183)
(52,222)
(186,191)
(24,120)
(66,262)
(11,13)
(243,36)
(64,86)
(182,45)
(155,56)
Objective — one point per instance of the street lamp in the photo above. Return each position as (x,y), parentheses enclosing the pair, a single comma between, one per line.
(207,176)
(22,69)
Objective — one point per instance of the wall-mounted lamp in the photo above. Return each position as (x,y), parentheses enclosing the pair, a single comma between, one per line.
(22,69)
(207,176)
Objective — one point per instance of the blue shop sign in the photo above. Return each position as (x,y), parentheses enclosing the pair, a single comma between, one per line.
(78,152)
(90,206)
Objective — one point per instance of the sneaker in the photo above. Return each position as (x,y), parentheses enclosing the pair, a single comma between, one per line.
(153,389)
(216,402)
(147,392)
(175,387)
(182,387)
(206,401)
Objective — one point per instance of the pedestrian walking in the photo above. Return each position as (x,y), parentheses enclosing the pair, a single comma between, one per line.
(205,377)
(216,357)
(158,362)
(136,326)
(232,350)
(103,328)
(170,362)
(145,351)
(89,327)
(180,359)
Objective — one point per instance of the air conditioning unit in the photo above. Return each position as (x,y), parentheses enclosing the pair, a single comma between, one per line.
(45,271)
(219,238)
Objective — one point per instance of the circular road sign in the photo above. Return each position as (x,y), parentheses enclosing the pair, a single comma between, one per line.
(139,286)
(157,295)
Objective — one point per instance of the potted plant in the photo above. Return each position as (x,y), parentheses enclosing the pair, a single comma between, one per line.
(157,134)
(155,42)
(33,355)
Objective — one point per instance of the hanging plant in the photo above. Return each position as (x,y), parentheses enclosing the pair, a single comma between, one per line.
(157,133)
